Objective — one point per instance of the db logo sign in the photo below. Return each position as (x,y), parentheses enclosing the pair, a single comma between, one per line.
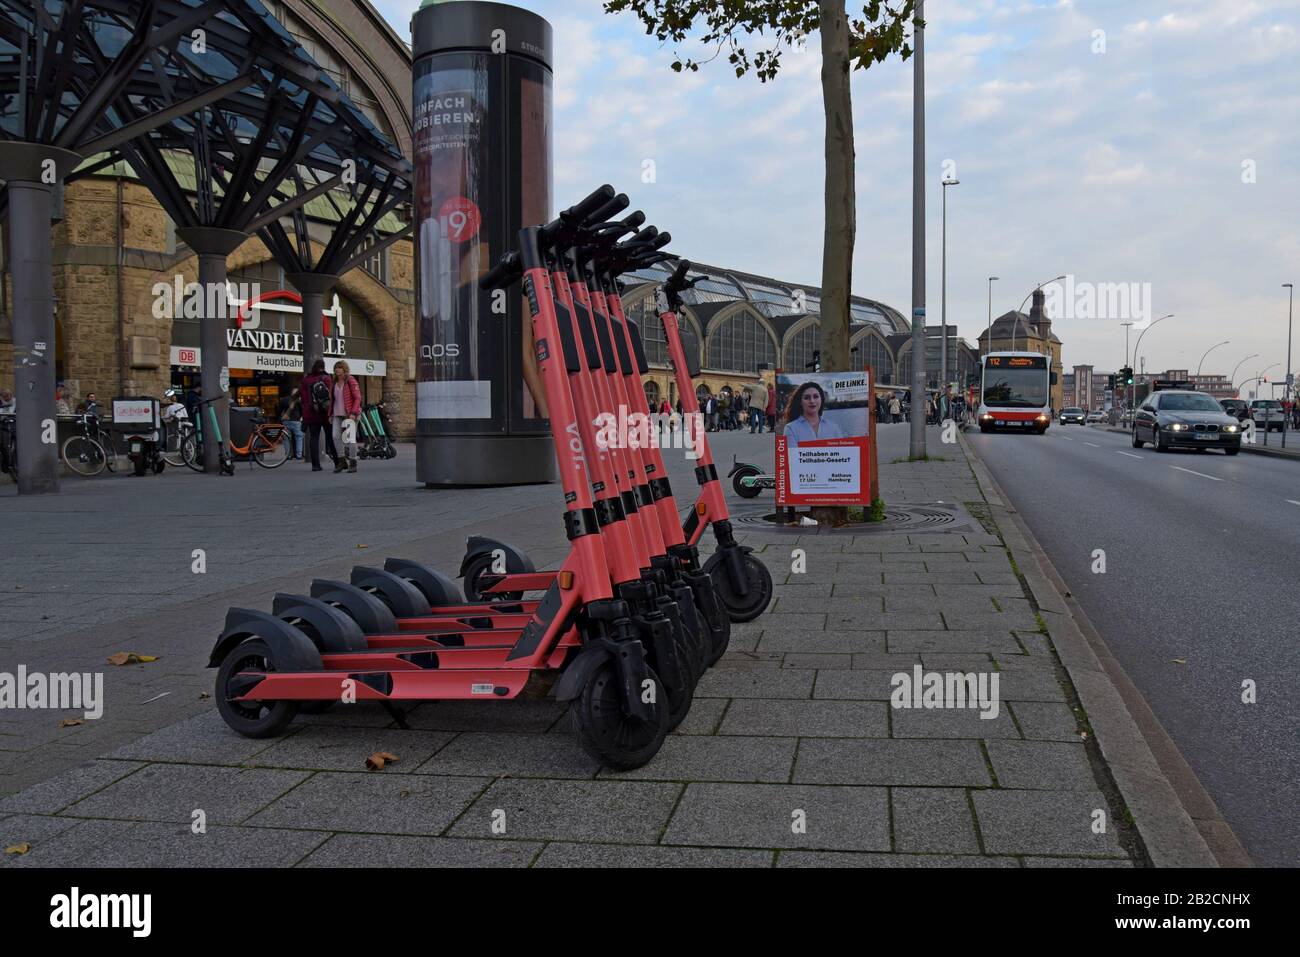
(462,217)
(187,357)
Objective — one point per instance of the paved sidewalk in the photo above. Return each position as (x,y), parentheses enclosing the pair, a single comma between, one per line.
(791,756)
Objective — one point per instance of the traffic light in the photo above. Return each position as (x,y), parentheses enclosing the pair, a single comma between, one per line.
(1126,375)
(1110,382)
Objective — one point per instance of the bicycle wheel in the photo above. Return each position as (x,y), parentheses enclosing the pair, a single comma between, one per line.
(174,447)
(105,441)
(269,452)
(192,452)
(84,456)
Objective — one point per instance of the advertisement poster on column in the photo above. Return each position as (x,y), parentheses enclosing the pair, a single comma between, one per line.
(823,439)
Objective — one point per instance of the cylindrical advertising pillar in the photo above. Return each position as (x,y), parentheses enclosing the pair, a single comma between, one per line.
(482,120)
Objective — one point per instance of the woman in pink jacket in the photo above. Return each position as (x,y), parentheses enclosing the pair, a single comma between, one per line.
(344,412)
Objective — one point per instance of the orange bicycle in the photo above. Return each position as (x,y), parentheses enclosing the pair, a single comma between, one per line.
(265,444)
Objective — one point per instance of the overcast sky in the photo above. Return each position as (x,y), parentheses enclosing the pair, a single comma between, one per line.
(1121,157)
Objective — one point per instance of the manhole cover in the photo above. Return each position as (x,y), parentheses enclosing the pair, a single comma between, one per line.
(898,518)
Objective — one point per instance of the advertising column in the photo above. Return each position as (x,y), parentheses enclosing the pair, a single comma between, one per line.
(482,121)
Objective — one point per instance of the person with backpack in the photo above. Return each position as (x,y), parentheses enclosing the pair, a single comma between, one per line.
(315,395)
(344,412)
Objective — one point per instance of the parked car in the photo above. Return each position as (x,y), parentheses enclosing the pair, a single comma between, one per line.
(1072,415)
(1096,416)
(1237,408)
(1179,418)
(1268,415)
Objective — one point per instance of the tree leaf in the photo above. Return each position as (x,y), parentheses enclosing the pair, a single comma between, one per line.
(22,848)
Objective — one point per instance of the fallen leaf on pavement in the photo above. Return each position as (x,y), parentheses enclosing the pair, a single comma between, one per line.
(1180,661)
(130,658)
(363,546)
(204,696)
(404,793)
(377,760)
(22,848)
(70,722)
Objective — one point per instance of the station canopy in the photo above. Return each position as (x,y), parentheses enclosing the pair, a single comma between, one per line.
(218,87)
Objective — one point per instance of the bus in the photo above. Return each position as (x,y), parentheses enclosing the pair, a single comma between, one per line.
(1015,392)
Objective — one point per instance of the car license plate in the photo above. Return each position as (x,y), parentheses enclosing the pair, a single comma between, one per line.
(1208,436)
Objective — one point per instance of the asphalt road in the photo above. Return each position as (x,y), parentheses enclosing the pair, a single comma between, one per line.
(1201,592)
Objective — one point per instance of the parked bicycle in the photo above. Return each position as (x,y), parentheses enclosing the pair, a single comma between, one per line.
(91,450)
(265,444)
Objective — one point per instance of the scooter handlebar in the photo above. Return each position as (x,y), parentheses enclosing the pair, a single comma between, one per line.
(607,211)
(584,210)
(507,271)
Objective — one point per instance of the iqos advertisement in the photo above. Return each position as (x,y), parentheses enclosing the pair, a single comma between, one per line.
(482,123)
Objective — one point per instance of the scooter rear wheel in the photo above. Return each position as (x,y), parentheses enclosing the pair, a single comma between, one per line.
(746,491)
(479,567)
(607,733)
(721,639)
(742,608)
(252,719)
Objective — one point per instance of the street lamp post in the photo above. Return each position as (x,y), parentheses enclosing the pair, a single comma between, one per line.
(1289,394)
(943,347)
(1139,346)
(1022,306)
(916,444)
(1207,352)
(988,342)
(1233,378)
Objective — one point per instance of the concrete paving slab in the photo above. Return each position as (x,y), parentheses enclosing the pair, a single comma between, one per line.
(933,821)
(891,762)
(1045,823)
(756,683)
(601,811)
(638,856)
(501,754)
(346,749)
(767,759)
(57,793)
(819,859)
(387,851)
(373,803)
(805,719)
(781,815)
(173,792)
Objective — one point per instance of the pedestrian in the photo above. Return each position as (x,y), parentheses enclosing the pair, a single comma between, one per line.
(6,401)
(61,406)
(344,412)
(724,411)
(755,418)
(711,414)
(771,408)
(290,412)
(315,397)
(895,408)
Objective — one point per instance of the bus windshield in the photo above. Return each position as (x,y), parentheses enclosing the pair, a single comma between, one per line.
(1016,388)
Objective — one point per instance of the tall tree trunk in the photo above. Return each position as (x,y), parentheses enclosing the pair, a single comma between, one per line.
(841,190)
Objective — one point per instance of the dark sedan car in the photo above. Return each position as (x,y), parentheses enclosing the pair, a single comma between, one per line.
(1239,409)
(1178,419)
(1077,416)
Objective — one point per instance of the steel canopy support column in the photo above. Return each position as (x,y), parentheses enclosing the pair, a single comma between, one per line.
(32,172)
(213,245)
(314,287)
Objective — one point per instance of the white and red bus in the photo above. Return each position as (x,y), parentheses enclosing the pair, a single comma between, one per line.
(1015,392)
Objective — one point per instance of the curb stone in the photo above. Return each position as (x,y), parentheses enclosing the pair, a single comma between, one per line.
(1171,835)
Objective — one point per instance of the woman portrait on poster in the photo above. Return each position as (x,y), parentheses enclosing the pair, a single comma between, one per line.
(805,417)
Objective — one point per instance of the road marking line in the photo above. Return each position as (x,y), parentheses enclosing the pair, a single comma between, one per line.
(1094,446)
(1067,438)
(1201,474)
(1292,501)
(1131,455)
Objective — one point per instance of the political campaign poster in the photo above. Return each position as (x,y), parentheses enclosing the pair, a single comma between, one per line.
(823,439)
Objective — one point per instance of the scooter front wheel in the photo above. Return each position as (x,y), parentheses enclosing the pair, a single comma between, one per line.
(741,608)
(605,731)
(252,719)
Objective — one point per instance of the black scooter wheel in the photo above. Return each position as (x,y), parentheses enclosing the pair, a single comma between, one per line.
(252,719)
(610,735)
(721,639)
(391,452)
(680,695)
(474,575)
(745,491)
(741,608)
